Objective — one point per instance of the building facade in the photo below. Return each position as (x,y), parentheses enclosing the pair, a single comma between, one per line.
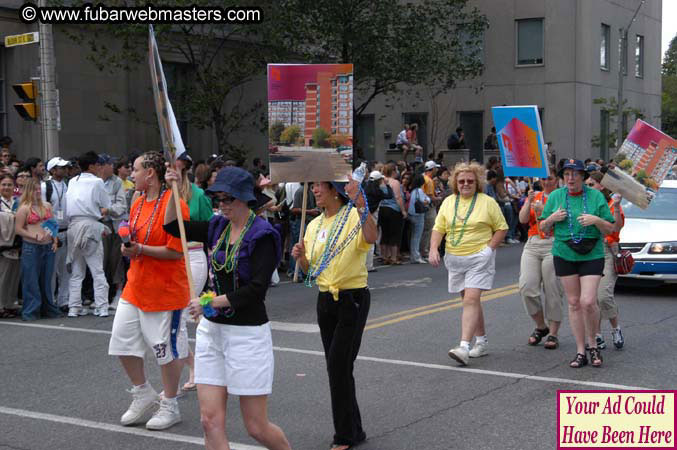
(561,55)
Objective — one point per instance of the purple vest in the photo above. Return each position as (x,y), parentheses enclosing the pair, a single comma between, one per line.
(260,228)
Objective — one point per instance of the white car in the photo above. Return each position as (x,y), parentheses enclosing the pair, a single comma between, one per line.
(651,236)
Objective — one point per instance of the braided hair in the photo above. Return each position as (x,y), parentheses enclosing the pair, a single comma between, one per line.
(155,160)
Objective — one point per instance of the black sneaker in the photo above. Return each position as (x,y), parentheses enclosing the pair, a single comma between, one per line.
(600,342)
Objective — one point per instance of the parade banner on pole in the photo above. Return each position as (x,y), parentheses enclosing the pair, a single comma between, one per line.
(171,138)
(172,143)
(520,140)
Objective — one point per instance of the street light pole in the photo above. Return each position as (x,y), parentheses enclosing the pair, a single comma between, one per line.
(48,101)
(624,52)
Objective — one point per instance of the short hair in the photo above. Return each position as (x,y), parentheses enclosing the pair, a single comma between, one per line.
(87,159)
(491,175)
(32,163)
(416,182)
(459,129)
(475,169)
(5,175)
(492,160)
(120,163)
(5,141)
(388,170)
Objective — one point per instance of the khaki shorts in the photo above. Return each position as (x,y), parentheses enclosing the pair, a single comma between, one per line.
(471,271)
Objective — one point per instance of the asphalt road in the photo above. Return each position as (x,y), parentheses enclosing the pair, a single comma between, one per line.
(60,389)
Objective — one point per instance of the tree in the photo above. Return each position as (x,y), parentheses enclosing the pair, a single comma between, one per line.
(274,132)
(610,106)
(290,135)
(320,138)
(393,45)
(669,94)
(219,61)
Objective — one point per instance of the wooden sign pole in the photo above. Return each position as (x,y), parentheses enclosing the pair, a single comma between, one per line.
(303,227)
(182,232)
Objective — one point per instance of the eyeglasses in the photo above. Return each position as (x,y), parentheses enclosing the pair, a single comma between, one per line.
(227,199)
(469,182)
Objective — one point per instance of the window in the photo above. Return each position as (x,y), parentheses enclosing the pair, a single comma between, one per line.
(604,47)
(529,42)
(639,56)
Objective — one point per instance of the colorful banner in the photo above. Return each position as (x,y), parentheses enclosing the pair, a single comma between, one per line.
(303,98)
(520,140)
(651,151)
(169,130)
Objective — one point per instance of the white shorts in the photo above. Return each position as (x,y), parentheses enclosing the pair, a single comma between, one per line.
(135,330)
(238,357)
(471,271)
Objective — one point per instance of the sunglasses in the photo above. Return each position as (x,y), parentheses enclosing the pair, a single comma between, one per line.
(590,184)
(227,199)
(469,182)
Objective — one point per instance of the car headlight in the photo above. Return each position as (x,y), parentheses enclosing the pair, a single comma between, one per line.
(663,247)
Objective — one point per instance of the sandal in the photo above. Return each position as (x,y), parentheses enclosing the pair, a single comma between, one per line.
(188,386)
(537,335)
(595,357)
(551,342)
(579,361)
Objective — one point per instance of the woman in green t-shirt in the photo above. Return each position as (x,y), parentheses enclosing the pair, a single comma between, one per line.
(580,217)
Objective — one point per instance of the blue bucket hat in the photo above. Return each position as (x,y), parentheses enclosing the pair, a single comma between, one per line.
(340,187)
(236,182)
(575,164)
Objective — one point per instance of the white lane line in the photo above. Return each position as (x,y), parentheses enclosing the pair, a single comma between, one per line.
(398,363)
(295,327)
(117,428)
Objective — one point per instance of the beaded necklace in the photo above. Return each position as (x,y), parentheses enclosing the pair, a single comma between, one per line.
(581,232)
(134,229)
(230,260)
(454,242)
(331,249)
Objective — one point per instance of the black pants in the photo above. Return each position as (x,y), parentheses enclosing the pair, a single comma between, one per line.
(341,326)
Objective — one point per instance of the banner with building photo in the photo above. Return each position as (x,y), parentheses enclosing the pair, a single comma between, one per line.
(642,163)
(520,140)
(310,120)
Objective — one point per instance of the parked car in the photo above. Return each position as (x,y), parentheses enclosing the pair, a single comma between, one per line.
(651,236)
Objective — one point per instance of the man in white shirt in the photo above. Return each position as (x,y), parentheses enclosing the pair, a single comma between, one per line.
(87,202)
(54,192)
(112,256)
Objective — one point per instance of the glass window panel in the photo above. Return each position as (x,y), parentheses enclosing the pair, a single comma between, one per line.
(530,41)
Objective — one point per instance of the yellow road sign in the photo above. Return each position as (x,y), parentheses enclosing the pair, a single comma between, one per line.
(22,39)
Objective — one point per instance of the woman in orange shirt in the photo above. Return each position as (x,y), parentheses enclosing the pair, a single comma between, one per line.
(605,292)
(537,270)
(150,308)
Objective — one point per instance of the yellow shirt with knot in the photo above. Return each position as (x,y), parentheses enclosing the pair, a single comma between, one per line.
(348,270)
(486,218)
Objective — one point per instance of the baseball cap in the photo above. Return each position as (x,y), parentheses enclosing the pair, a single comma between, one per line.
(375,175)
(57,161)
(106,159)
(430,165)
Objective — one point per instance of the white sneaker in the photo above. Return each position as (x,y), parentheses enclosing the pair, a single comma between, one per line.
(102,311)
(144,401)
(459,354)
(479,349)
(513,241)
(75,311)
(166,416)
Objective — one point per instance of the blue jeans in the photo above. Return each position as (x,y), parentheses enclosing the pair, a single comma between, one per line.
(418,222)
(511,219)
(37,267)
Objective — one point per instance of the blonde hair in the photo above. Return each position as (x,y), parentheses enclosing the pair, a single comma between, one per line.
(475,168)
(185,186)
(28,198)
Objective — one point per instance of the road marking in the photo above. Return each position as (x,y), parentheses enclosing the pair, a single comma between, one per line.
(520,376)
(445,302)
(380,360)
(426,312)
(295,327)
(117,428)
(420,282)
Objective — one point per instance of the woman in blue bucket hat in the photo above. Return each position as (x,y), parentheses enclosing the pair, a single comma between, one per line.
(234,348)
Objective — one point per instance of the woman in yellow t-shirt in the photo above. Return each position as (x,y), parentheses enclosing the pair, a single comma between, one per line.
(474,227)
(334,253)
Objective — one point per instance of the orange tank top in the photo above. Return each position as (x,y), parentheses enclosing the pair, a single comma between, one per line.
(533,222)
(614,238)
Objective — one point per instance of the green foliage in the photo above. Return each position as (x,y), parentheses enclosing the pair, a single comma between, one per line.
(274,132)
(670,59)
(626,165)
(290,135)
(393,45)
(320,138)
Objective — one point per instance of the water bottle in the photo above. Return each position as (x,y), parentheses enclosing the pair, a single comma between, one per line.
(359,173)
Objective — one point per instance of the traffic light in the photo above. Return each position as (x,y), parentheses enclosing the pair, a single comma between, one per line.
(28,92)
